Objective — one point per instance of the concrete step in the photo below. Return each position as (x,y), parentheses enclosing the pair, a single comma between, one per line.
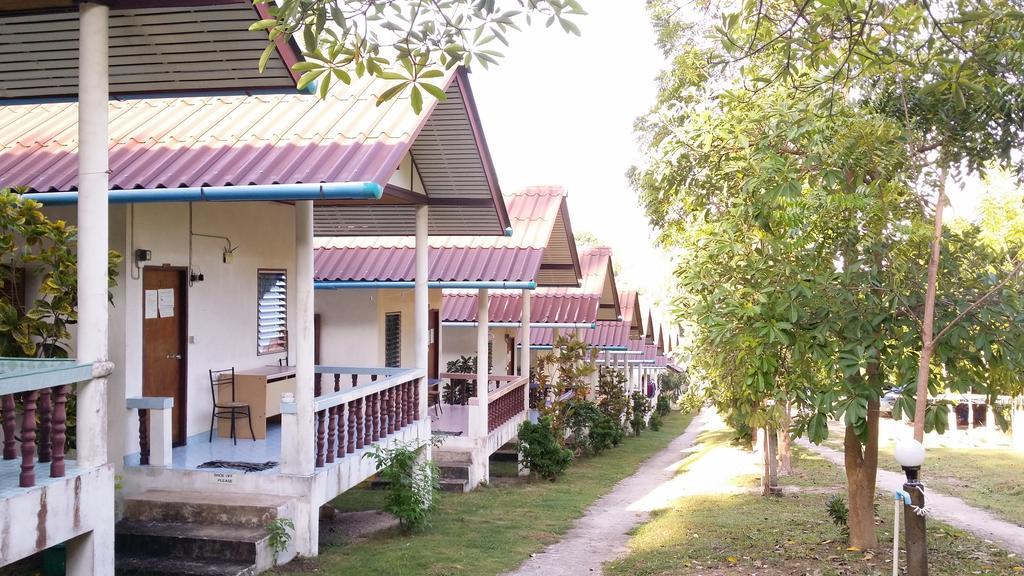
(213,508)
(159,566)
(191,541)
(454,472)
(452,485)
(504,455)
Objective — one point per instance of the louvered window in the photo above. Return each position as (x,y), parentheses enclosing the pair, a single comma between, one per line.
(393,340)
(272,312)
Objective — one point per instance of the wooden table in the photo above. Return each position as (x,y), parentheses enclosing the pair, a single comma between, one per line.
(261,389)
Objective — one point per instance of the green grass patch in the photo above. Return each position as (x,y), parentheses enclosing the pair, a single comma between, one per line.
(982,476)
(492,529)
(742,534)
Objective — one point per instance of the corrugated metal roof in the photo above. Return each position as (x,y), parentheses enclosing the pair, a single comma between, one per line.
(267,139)
(604,335)
(444,264)
(507,306)
(518,258)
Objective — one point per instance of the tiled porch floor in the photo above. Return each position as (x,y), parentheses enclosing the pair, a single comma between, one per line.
(452,419)
(10,471)
(199,450)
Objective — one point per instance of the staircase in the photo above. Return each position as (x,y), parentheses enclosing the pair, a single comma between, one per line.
(198,534)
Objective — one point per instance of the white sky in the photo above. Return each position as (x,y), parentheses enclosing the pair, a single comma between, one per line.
(559,110)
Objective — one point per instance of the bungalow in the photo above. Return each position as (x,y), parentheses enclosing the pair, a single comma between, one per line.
(362,300)
(214,412)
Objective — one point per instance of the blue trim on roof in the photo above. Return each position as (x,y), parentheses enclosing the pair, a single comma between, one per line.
(270,192)
(356,284)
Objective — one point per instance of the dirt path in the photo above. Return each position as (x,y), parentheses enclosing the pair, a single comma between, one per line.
(603,532)
(950,510)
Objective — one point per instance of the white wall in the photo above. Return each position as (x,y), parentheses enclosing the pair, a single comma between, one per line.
(461,341)
(221,324)
(352,325)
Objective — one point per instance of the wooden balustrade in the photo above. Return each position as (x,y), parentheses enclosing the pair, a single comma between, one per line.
(354,418)
(36,440)
(506,402)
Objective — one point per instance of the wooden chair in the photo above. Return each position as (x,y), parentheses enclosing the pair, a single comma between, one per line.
(434,395)
(232,410)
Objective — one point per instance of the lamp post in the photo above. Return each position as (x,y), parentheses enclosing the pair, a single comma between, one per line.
(910,455)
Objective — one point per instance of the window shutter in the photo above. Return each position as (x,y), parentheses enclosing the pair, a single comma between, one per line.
(393,340)
(272,312)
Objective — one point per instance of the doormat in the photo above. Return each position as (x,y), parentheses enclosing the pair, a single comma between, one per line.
(244,466)
(446,433)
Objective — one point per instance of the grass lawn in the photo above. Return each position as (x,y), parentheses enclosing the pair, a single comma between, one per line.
(986,477)
(743,534)
(492,529)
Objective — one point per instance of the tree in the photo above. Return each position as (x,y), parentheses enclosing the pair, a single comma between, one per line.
(34,324)
(803,236)
(949,71)
(410,42)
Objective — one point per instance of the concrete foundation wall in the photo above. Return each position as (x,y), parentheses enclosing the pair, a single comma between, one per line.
(78,508)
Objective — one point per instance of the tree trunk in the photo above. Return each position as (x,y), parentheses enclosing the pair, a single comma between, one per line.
(1017,422)
(928,322)
(770,474)
(786,443)
(861,468)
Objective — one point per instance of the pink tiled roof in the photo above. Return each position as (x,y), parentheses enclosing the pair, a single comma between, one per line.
(506,306)
(604,335)
(517,258)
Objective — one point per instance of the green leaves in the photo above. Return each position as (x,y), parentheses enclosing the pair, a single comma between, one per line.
(414,39)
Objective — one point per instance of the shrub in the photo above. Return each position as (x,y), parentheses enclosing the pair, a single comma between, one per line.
(655,422)
(838,512)
(572,361)
(605,433)
(673,384)
(662,409)
(640,407)
(412,482)
(457,391)
(539,450)
(611,394)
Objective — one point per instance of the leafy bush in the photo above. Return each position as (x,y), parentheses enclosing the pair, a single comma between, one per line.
(662,408)
(838,512)
(572,363)
(611,394)
(411,482)
(605,433)
(673,384)
(655,422)
(640,407)
(540,451)
(458,392)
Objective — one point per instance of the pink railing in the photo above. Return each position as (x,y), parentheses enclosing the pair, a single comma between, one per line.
(354,416)
(507,401)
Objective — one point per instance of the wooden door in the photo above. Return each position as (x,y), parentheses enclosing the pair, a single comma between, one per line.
(164,354)
(510,349)
(433,348)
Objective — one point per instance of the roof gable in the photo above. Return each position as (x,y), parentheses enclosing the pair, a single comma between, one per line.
(521,257)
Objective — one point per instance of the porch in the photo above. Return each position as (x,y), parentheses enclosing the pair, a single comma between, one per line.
(46,498)
(473,431)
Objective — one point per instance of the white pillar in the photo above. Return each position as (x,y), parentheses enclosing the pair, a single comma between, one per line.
(92,230)
(298,447)
(161,435)
(524,362)
(422,302)
(482,371)
(93,552)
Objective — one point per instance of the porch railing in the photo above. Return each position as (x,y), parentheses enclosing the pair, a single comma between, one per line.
(34,394)
(509,400)
(354,415)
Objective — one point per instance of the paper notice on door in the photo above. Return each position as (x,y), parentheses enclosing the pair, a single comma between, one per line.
(152,300)
(165,302)
(166,297)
